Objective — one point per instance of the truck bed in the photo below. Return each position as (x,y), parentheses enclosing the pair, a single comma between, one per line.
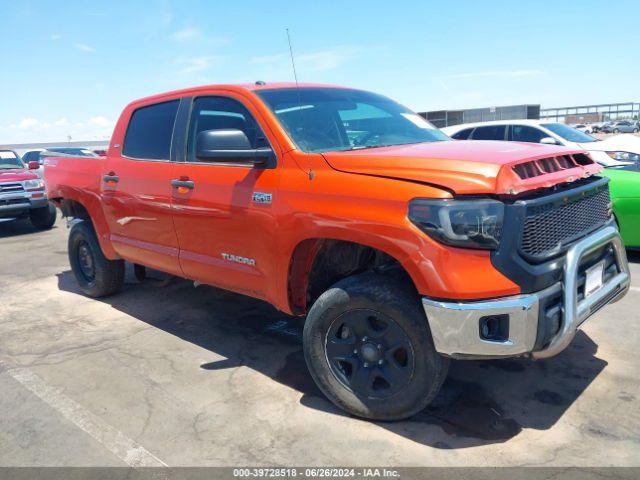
(63,174)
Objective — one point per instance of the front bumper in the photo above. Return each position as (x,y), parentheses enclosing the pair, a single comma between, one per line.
(456,327)
(20,203)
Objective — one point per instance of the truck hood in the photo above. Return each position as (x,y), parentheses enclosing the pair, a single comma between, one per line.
(16,175)
(470,167)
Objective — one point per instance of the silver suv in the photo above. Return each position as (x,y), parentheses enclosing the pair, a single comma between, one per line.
(623,126)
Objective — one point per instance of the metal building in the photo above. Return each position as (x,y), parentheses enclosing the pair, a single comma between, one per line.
(445,118)
(604,111)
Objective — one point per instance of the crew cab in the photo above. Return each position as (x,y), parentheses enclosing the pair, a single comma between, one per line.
(401,247)
(22,192)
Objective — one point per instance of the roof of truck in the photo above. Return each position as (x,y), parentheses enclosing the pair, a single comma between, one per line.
(251,87)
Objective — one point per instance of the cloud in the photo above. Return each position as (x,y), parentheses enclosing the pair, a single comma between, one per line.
(28,122)
(31,130)
(185,35)
(322,60)
(55,36)
(99,121)
(84,47)
(197,64)
(494,74)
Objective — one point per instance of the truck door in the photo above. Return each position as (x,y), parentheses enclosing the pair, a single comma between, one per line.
(223,208)
(136,189)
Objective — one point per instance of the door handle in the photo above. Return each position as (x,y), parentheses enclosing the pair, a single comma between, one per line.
(111,178)
(180,184)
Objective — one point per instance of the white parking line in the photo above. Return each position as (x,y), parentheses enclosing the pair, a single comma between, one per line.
(635,289)
(115,441)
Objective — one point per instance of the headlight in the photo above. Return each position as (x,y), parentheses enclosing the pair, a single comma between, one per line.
(625,156)
(460,223)
(33,184)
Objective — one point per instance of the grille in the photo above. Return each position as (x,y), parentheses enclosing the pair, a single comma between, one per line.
(11,187)
(549,227)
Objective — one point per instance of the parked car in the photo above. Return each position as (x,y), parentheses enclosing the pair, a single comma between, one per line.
(596,127)
(36,155)
(22,192)
(401,247)
(583,128)
(39,154)
(625,195)
(620,127)
(608,152)
(613,152)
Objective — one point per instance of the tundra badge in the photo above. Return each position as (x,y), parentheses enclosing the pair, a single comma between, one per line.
(261,197)
(238,259)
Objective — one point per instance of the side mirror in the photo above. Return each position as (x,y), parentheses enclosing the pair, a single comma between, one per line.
(230,145)
(549,141)
(34,165)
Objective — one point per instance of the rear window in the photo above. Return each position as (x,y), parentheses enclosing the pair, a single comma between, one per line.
(490,132)
(150,130)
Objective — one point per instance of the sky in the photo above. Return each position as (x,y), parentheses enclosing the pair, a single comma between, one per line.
(69,67)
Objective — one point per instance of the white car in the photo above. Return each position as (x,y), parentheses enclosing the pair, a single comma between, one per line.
(612,151)
(583,128)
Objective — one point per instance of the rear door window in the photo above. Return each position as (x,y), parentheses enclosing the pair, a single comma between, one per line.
(525,133)
(150,130)
(489,132)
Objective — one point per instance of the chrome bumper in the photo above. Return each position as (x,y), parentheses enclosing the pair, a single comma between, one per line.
(455,326)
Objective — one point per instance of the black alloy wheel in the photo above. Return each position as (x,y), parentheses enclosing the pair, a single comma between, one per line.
(369,353)
(86,261)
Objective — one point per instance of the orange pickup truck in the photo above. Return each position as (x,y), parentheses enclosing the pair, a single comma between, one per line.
(401,247)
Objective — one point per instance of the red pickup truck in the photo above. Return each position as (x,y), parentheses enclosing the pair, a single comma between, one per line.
(22,192)
(401,247)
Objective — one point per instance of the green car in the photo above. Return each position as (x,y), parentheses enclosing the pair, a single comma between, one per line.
(625,194)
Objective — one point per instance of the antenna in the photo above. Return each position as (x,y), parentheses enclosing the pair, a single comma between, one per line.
(293,63)
(300,112)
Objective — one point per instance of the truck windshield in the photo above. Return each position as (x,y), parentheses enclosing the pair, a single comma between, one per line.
(9,160)
(569,133)
(331,119)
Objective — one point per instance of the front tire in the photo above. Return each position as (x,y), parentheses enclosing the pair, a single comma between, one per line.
(43,217)
(369,349)
(96,275)
(616,131)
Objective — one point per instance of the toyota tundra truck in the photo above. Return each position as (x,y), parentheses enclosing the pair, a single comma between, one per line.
(401,248)
(22,192)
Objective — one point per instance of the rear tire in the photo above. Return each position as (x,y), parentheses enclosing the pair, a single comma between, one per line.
(369,348)
(43,217)
(616,130)
(96,275)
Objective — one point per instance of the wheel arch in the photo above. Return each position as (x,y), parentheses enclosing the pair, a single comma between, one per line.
(317,263)
(89,211)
